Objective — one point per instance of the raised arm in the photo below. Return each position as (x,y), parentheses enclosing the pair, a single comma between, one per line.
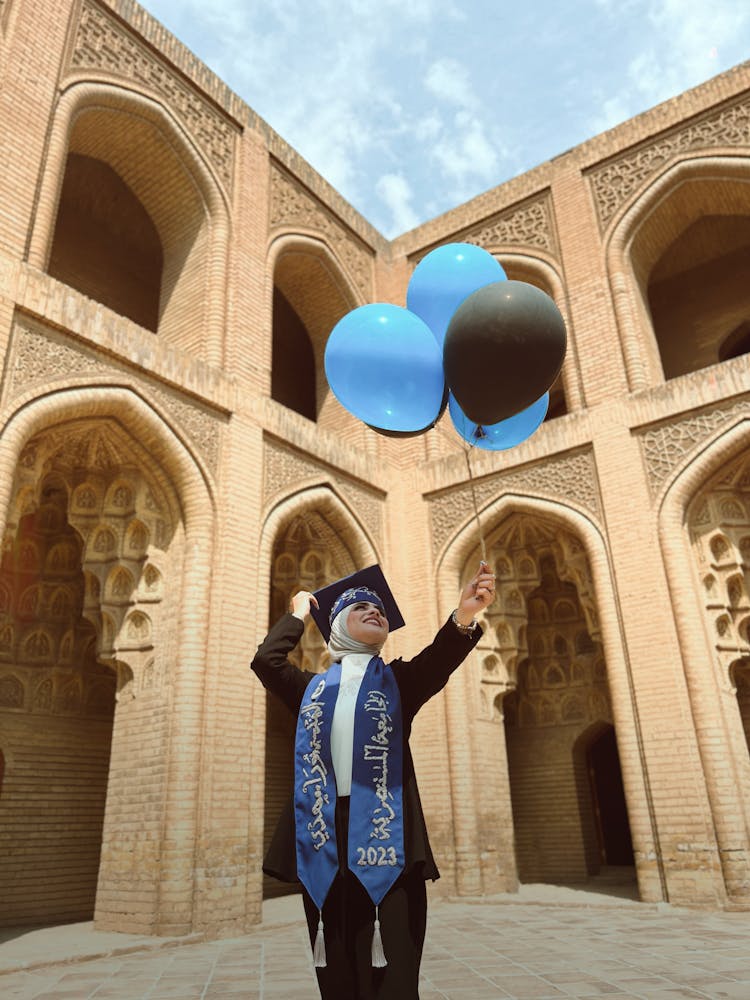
(271,663)
(429,671)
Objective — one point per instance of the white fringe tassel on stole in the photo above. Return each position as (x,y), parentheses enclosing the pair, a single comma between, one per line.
(319,951)
(378,955)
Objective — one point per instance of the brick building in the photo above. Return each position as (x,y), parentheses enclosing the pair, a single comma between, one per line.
(174,466)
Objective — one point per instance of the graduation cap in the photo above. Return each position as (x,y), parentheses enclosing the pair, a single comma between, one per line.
(365,585)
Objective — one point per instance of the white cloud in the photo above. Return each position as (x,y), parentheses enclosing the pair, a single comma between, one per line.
(466,153)
(682,43)
(448,80)
(396,192)
(428,127)
(409,109)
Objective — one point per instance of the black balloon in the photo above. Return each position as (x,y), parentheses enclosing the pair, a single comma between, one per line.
(503,349)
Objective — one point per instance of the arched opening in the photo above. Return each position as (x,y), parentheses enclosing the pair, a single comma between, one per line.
(742,683)
(517,271)
(310,297)
(293,360)
(307,554)
(605,791)
(719,524)
(690,257)
(133,227)
(105,243)
(546,651)
(86,637)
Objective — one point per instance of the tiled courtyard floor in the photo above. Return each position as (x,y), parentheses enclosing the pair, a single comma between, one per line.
(474,950)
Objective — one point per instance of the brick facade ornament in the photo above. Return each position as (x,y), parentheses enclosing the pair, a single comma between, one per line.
(614,182)
(294,207)
(41,356)
(103,43)
(571,477)
(12,691)
(527,225)
(284,468)
(665,448)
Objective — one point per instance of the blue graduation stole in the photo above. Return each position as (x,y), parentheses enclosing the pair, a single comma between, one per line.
(376,823)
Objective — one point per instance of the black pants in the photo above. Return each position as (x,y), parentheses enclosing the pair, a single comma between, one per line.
(348,917)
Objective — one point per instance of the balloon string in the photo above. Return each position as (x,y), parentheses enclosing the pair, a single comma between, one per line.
(476,508)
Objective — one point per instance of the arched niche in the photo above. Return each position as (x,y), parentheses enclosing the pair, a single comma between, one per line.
(677,261)
(71,650)
(310,539)
(105,243)
(131,215)
(566,392)
(77,464)
(537,548)
(704,531)
(310,295)
(557,688)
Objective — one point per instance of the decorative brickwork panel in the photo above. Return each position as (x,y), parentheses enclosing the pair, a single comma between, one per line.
(570,478)
(41,357)
(285,468)
(527,225)
(292,206)
(103,43)
(614,182)
(667,447)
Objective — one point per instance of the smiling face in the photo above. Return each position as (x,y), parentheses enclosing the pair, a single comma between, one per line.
(367,623)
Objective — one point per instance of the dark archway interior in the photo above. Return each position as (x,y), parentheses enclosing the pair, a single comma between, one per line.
(293,360)
(605,777)
(699,294)
(105,244)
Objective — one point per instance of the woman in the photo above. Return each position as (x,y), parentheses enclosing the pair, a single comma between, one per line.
(355,834)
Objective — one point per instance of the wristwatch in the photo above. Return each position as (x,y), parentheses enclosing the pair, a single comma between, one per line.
(469,629)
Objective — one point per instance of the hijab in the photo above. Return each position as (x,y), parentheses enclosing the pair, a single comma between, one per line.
(341,643)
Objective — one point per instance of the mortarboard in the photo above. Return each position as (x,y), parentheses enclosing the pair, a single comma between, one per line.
(360,583)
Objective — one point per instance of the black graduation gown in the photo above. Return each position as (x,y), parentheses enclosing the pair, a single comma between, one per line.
(418,680)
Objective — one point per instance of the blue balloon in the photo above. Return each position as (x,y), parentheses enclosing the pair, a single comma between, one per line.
(444,278)
(503,435)
(384,366)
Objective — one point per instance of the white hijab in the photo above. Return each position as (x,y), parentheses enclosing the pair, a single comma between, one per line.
(341,643)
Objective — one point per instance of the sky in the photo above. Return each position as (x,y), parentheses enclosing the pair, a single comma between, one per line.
(411,108)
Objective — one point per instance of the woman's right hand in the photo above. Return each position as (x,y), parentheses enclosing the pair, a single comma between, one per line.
(300,603)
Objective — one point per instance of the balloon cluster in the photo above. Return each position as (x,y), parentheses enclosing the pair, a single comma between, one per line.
(486,347)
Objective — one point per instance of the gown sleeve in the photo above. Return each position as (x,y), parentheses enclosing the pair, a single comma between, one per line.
(420,678)
(273,668)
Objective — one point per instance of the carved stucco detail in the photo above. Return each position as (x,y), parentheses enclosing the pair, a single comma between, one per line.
(39,358)
(571,478)
(525,225)
(57,693)
(292,206)
(103,43)
(665,448)
(285,468)
(613,183)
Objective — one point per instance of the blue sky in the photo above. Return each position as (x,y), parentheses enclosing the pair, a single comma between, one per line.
(409,109)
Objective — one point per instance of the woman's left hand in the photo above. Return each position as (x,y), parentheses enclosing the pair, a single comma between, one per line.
(478,593)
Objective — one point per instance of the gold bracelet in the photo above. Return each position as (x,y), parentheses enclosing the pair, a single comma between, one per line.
(464,629)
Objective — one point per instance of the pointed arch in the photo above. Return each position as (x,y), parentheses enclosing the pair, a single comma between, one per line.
(461,551)
(711,687)
(642,231)
(117,130)
(308,293)
(120,415)
(309,538)
(566,393)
